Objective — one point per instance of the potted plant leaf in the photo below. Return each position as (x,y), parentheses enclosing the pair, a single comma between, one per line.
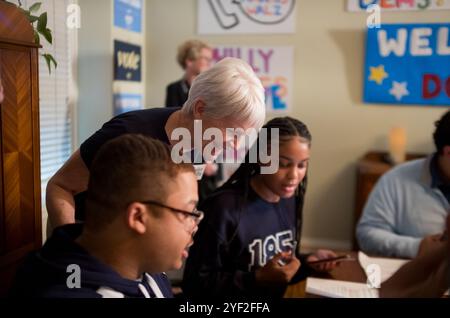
(39,23)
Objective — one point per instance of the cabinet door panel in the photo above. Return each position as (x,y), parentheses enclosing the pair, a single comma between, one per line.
(20,184)
(17,151)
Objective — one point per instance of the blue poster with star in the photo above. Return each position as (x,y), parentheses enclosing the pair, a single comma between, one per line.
(408,64)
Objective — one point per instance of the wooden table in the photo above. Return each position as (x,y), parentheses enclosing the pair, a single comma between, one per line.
(349,271)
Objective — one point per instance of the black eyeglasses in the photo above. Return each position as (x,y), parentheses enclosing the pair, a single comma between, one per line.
(195,215)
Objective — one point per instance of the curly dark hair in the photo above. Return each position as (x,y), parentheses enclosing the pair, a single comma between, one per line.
(442,133)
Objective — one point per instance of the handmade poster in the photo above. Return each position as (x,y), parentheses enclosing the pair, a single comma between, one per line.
(408,64)
(273,64)
(398,5)
(246,16)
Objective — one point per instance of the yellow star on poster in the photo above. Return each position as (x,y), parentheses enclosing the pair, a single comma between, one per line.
(378,74)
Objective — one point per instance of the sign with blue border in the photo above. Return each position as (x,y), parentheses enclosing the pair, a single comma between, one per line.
(408,64)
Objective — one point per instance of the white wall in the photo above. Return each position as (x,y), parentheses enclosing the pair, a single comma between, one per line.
(96,63)
(95,66)
(329,58)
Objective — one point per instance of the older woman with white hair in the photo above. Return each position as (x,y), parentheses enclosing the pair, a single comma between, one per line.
(229,95)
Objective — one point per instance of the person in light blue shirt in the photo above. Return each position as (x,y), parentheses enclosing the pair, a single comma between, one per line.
(406,212)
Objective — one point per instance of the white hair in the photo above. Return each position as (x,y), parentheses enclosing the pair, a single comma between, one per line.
(229,89)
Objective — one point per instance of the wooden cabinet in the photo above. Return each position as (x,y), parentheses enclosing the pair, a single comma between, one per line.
(20,195)
(369,169)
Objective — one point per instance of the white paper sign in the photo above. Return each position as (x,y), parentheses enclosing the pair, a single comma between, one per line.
(246,16)
(274,66)
(399,5)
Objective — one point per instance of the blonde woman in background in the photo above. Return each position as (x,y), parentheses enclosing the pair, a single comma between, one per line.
(194,57)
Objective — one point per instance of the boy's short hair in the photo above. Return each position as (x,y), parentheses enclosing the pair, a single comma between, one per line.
(190,50)
(442,133)
(127,169)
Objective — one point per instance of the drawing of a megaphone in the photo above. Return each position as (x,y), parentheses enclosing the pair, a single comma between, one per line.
(226,19)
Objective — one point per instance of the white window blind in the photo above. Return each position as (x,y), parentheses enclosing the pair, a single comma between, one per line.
(56,108)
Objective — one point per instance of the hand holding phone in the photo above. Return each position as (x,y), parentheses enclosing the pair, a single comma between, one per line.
(340,258)
(276,272)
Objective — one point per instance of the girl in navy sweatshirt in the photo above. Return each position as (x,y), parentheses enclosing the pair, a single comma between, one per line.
(247,243)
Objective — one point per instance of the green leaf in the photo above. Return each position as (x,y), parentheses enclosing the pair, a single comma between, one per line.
(37,39)
(40,29)
(35,7)
(47,33)
(49,59)
(42,23)
(33,18)
(54,61)
(30,17)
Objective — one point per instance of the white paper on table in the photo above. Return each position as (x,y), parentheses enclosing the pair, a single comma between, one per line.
(388,266)
(343,289)
(339,289)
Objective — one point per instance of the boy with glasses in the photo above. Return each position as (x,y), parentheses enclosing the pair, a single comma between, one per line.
(141,217)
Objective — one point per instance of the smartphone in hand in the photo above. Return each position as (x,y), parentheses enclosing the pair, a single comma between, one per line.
(340,258)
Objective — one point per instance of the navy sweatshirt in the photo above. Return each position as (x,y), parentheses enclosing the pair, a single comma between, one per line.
(45,273)
(232,242)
